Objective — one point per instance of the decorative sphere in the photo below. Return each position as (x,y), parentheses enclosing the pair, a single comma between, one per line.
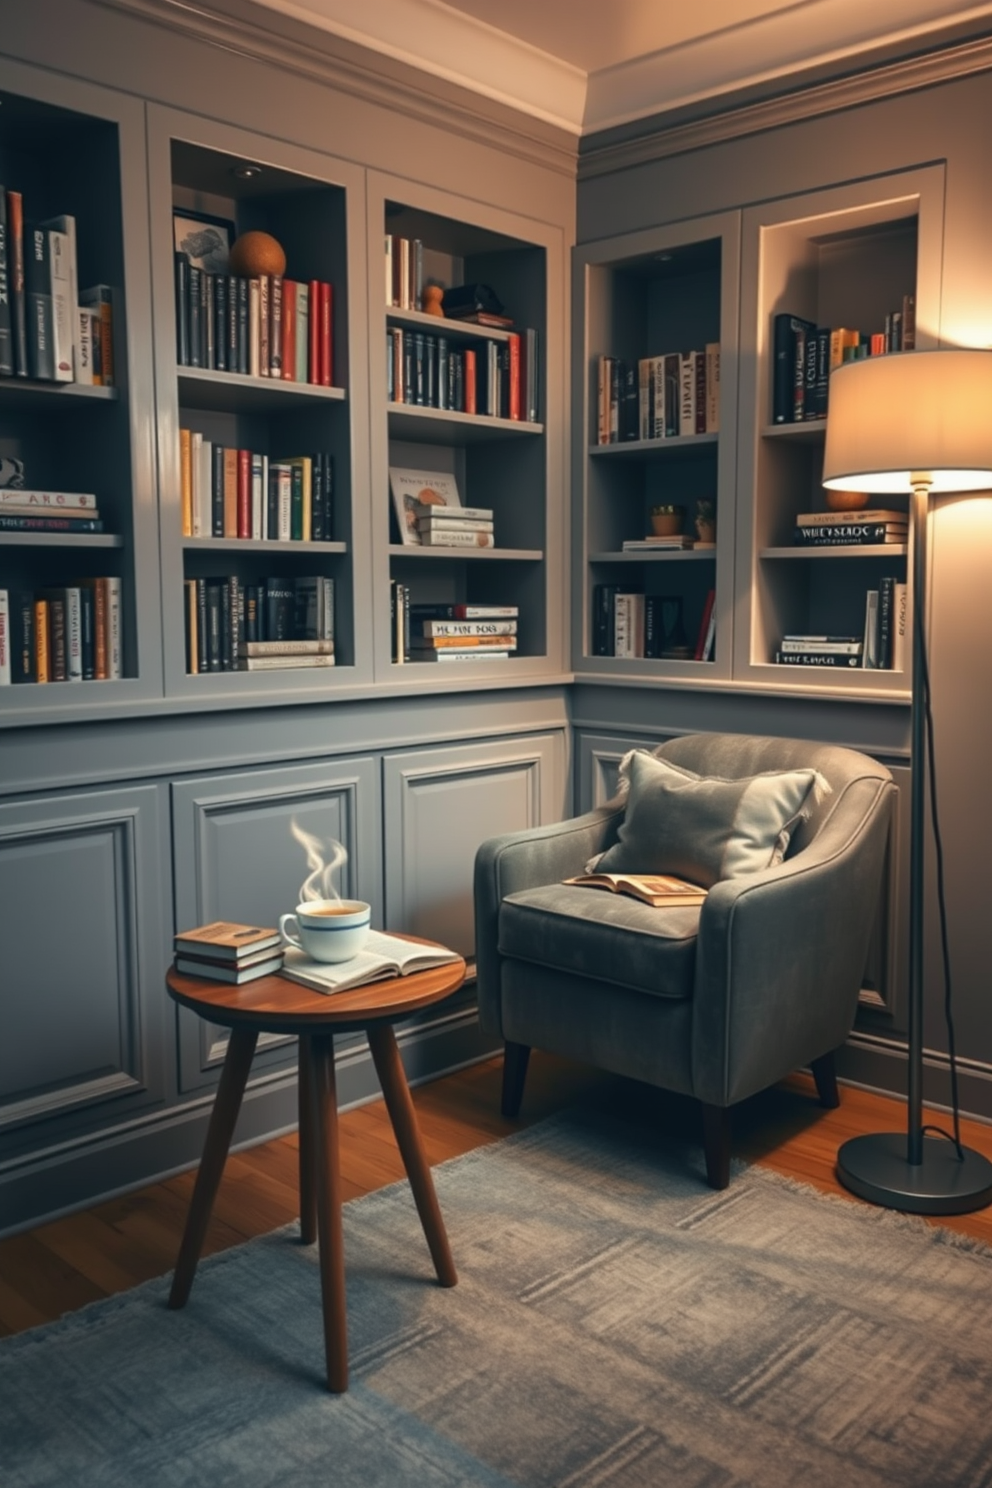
(845,500)
(256,253)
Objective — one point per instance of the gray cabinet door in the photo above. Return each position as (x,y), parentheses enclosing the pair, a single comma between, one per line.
(83,910)
(236,858)
(440,804)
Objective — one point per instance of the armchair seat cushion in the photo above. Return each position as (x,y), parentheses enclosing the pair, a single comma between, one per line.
(607,937)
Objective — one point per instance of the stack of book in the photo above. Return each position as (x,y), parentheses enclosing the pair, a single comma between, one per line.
(850,529)
(454,526)
(48,511)
(50,329)
(820,650)
(266,626)
(657,544)
(69,633)
(227,492)
(269,326)
(659,397)
(805,354)
(461,632)
(227,952)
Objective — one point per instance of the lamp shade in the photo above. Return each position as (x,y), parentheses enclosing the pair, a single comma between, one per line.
(911,413)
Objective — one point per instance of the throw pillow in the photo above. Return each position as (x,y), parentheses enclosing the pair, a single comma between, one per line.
(704,828)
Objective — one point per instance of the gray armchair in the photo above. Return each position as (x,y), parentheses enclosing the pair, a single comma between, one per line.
(715,1003)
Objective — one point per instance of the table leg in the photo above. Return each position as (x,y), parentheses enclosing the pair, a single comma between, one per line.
(392,1078)
(233,1078)
(327,1170)
(308,1201)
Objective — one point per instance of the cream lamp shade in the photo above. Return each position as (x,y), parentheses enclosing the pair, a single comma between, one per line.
(908,419)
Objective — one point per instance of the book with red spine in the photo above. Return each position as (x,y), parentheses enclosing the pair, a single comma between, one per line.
(514,401)
(469,381)
(290,289)
(326,300)
(313,357)
(244,493)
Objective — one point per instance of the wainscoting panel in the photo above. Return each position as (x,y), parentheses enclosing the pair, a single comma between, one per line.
(81,985)
(440,804)
(236,858)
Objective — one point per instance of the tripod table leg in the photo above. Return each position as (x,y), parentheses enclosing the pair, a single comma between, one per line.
(327,1169)
(392,1078)
(233,1078)
(308,1200)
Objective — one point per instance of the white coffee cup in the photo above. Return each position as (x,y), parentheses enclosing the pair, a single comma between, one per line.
(327,929)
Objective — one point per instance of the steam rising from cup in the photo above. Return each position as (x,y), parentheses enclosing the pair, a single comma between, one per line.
(319,884)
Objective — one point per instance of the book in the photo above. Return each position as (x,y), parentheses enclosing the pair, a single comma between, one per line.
(839,648)
(39,307)
(4,639)
(450,539)
(100,299)
(286,648)
(657,544)
(886,618)
(833,518)
(15,280)
(468,627)
(226,940)
(7,359)
(216,971)
(48,522)
(902,643)
(482,653)
(45,503)
(816,658)
(704,625)
(850,533)
(789,334)
(656,889)
(382,956)
(65,294)
(283,661)
(500,640)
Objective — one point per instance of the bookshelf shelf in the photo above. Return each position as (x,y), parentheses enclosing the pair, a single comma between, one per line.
(687,555)
(470,555)
(250,545)
(236,392)
(833,554)
(25,391)
(444,426)
(441,325)
(813,432)
(680,447)
(61,540)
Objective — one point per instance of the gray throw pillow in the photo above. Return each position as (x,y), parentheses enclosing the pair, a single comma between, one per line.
(703,828)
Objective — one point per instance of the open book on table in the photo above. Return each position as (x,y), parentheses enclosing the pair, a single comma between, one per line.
(382,956)
(656,889)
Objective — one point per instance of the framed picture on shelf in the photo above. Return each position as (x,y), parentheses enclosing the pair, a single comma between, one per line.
(205,240)
(413,489)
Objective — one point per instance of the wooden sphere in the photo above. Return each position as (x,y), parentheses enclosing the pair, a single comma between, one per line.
(845,500)
(256,253)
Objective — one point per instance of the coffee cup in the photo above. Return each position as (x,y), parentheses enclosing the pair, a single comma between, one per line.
(327,929)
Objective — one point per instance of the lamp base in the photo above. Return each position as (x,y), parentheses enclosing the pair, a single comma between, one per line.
(876,1168)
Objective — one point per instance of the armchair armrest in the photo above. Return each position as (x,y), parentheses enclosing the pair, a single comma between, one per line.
(526,860)
(781,953)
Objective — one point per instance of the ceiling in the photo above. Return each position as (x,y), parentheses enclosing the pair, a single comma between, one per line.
(586,65)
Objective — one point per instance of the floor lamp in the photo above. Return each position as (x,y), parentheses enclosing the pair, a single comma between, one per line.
(913,423)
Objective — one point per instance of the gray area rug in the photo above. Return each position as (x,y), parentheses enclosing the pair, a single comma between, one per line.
(616,1323)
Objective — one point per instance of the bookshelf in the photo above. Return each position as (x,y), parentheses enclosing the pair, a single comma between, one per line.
(511,465)
(302,199)
(637,297)
(843,257)
(71,149)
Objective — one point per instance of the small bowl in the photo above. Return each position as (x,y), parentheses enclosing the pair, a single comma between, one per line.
(667,521)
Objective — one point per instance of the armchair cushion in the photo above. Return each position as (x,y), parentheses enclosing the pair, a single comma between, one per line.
(606,937)
(705,828)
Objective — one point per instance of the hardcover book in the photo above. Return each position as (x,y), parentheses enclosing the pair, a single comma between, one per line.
(226,940)
(413,490)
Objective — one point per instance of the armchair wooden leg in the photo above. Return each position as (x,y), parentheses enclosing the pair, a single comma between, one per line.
(716,1144)
(515,1057)
(825,1075)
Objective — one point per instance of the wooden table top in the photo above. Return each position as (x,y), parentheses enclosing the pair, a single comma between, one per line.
(275,1004)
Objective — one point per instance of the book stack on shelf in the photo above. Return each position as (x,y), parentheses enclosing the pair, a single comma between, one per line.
(659,397)
(429,512)
(493,377)
(805,355)
(455,527)
(264,326)
(821,650)
(47,511)
(679,543)
(277,624)
(50,329)
(226,492)
(442,633)
(850,529)
(630,624)
(227,952)
(68,633)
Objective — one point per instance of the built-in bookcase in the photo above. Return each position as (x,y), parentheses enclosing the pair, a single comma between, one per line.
(637,298)
(510,465)
(302,200)
(73,150)
(845,257)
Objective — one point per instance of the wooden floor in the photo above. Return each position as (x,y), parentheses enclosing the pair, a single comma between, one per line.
(63,1265)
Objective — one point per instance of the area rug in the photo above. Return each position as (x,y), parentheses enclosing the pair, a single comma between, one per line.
(615,1323)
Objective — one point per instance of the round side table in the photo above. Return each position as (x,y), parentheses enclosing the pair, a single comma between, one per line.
(274,1004)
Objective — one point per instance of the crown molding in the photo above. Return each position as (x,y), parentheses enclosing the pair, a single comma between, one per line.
(685,129)
(264,34)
